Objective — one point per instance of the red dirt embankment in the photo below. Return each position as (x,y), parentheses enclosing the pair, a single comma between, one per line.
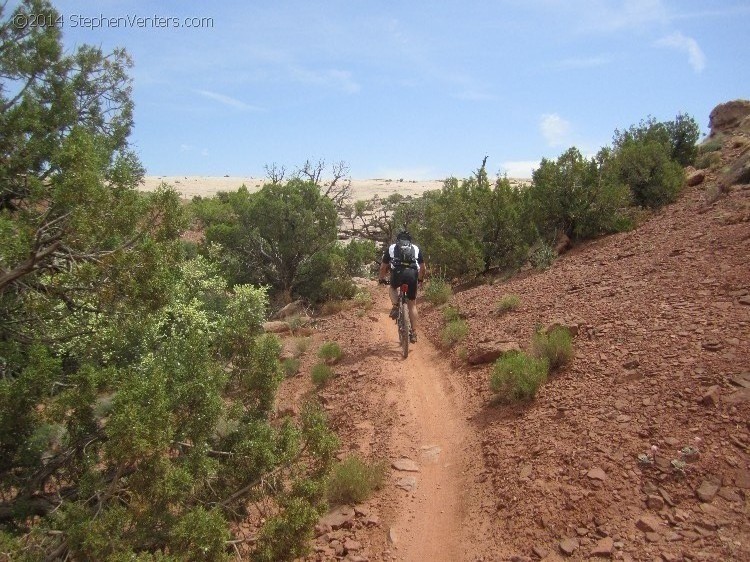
(662,359)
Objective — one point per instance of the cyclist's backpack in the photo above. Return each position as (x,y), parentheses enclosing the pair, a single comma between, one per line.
(405,254)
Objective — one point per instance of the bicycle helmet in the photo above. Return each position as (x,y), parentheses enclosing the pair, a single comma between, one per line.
(404,235)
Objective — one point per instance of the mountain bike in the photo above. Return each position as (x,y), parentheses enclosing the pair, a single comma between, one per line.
(402,319)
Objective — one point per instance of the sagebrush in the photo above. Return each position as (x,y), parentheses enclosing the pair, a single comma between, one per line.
(518,376)
(353,480)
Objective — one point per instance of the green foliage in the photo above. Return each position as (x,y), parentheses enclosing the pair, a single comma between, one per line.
(358,254)
(508,303)
(517,376)
(285,537)
(200,535)
(543,256)
(471,225)
(271,235)
(713,145)
(571,197)
(136,385)
(556,347)
(330,352)
(326,276)
(363,300)
(301,345)
(353,480)
(437,291)
(291,366)
(321,374)
(451,314)
(708,160)
(454,332)
(649,159)
(647,168)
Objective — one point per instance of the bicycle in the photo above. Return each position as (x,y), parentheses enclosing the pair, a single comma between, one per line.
(402,318)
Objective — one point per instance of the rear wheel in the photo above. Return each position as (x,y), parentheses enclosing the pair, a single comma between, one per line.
(404,329)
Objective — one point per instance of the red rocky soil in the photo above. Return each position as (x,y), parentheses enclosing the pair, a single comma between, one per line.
(662,359)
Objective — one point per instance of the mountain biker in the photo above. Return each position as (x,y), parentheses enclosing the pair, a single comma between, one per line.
(407,267)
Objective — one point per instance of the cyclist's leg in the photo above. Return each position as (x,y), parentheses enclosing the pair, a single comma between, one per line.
(393,292)
(410,277)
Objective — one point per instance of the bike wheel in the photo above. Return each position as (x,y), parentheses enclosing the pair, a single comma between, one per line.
(404,329)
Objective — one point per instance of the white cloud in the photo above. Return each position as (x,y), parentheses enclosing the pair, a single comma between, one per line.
(685,44)
(519,168)
(554,129)
(227,100)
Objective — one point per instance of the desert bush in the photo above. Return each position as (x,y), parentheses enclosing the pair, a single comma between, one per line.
(543,257)
(290,366)
(508,303)
(556,346)
(518,376)
(437,291)
(569,196)
(451,314)
(708,160)
(330,352)
(301,345)
(454,332)
(363,300)
(334,307)
(321,374)
(353,480)
(713,145)
(123,364)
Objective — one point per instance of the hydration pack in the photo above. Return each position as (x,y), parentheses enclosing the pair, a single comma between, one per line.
(405,254)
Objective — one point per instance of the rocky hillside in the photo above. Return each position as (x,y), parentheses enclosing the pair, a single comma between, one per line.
(661,371)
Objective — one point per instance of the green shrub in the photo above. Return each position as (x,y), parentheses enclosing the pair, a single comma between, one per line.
(571,196)
(517,376)
(353,480)
(321,374)
(334,307)
(508,303)
(454,332)
(363,300)
(713,145)
(339,288)
(451,314)
(291,366)
(438,291)
(543,257)
(330,352)
(301,345)
(556,346)
(708,160)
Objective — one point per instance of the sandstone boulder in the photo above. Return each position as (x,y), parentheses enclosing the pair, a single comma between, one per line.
(292,309)
(275,327)
(728,116)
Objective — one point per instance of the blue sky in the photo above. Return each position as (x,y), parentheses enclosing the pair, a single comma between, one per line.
(413,89)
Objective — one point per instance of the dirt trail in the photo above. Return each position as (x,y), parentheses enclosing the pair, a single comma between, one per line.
(432,522)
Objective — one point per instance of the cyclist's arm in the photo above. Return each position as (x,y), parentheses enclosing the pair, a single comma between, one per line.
(422,271)
(384,264)
(383,273)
